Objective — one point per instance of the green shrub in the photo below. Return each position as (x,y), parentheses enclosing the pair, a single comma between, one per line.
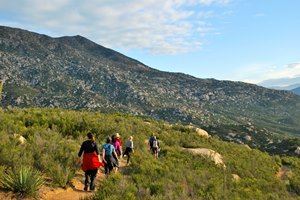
(24,181)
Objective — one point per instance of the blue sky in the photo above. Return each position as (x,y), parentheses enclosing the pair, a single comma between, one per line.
(240,40)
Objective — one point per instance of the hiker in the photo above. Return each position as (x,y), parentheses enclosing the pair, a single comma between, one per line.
(150,143)
(155,146)
(116,142)
(118,150)
(90,161)
(119,139)
(129,149)
(108,150)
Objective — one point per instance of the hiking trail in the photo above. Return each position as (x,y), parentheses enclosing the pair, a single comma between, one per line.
(75,192)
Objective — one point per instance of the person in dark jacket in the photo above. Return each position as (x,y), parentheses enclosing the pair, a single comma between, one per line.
(90,162)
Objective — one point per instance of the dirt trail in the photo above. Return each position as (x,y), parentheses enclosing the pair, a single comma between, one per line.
(75,192)
(282,173)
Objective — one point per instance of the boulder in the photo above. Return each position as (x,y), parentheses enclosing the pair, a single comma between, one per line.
(297,151)
(236,178)
(248,138)
(20,138)
(211,154)
(202,133)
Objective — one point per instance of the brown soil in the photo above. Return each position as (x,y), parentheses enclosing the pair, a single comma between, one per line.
(282,173)
(74,192)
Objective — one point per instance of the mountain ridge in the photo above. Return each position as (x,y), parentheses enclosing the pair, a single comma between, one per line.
(282,83)
(296,90)
(75,73)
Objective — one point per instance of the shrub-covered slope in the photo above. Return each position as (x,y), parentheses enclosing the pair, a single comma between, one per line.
(76,73)
(53,137)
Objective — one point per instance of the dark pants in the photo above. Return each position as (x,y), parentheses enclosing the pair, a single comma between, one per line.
(127,152)
(110,163)
(90,176)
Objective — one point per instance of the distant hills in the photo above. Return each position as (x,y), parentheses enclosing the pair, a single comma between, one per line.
(282,84)
(75,73)
(296,90)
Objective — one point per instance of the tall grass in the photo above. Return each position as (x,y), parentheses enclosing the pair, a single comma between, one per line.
(24,181)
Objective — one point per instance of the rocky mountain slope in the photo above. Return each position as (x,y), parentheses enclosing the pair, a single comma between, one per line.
(76,73)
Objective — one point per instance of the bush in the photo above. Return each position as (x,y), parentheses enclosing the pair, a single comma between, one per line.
(24,181)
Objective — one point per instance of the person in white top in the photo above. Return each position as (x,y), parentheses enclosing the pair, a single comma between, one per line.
(129,149)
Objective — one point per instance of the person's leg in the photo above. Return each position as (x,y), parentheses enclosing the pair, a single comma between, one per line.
(106,168)
(108,165)
(93,178)
(128,158)
(155,151)
(86,182)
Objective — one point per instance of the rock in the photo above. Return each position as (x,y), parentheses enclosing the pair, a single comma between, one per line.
(20,138)
(297,151)
(232,134)
(236,178)
(248,138)
(202,133)
(213,155)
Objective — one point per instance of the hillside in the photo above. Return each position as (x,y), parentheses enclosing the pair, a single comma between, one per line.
(52,138)
(296,90)
(75,73)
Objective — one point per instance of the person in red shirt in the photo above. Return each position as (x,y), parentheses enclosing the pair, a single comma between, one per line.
(90,161)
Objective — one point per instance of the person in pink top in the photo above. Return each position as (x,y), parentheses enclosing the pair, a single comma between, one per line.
(117,146)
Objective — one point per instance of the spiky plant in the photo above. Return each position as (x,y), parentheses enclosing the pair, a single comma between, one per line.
(24,181)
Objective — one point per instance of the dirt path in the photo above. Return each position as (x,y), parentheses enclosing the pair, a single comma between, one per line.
(71,193)
(282,173)
(75,192)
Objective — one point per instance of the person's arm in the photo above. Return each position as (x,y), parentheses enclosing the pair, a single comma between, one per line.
(116,156)
(149,143)
(103,155)
(120,148)
(132,146)
(80,151)
(97,151)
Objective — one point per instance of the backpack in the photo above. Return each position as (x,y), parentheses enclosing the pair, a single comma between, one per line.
(155,144)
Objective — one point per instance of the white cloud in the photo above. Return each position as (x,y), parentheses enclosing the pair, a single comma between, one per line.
(263,72)
(260,15)
(168,26)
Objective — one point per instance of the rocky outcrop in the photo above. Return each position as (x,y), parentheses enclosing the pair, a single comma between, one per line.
(297,151)
(211,154)
(236,178)
(202,133)
(20,138)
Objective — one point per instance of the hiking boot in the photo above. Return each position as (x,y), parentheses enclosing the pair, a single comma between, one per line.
(85,188)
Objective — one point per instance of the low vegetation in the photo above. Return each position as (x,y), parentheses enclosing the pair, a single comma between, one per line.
(24,181)
(53,137)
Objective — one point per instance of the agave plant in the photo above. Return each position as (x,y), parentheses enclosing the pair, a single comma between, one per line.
(24,181)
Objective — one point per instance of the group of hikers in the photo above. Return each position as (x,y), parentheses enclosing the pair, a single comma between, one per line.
(111,154)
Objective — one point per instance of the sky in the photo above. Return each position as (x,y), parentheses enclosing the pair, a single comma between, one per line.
(238,40)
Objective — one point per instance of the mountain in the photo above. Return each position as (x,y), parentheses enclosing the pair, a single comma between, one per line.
(296,90)
(75,73)
(282,84)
